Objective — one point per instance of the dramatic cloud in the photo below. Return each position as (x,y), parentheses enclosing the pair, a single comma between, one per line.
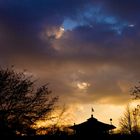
(88,50)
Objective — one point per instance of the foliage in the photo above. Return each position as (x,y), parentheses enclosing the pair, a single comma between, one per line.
(21,103)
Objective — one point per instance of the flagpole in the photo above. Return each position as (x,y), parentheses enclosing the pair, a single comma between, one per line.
(92,110)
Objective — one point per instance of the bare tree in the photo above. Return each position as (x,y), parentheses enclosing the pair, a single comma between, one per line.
(135,91)
(21,103)
(136,118)
(129,122)
(126,121)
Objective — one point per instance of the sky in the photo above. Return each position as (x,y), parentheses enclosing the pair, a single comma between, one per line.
(87,50)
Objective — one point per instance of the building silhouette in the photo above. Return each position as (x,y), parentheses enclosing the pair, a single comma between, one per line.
(92,127)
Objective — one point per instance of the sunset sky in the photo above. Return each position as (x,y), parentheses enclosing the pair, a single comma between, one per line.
(87,50)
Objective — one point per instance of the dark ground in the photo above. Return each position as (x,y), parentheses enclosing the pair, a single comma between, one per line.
(112,137)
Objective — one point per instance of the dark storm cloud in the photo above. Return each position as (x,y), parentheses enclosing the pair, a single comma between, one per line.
(125,9)
(28,17)
(35,11)
(22,21)
(94,61)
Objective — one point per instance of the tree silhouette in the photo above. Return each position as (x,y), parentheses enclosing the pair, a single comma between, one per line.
(135,91)
(21,103)
(126,121)
(130,120)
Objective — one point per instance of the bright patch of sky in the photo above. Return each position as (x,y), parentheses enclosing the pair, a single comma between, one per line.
(69,24)
(131,25)
(83,85)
